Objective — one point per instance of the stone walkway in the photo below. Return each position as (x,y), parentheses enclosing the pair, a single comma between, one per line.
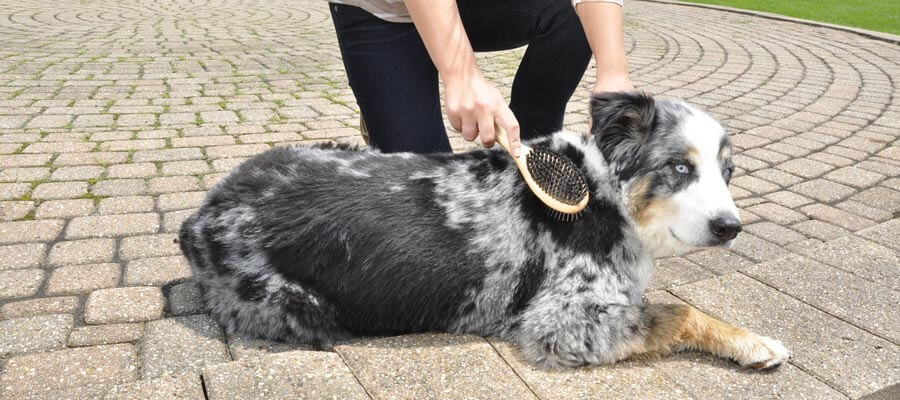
(116,117)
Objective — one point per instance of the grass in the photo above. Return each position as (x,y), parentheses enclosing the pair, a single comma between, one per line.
(877,15)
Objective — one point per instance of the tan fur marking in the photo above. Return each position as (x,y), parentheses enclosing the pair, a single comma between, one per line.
(693,155)
(643,209)
(679,327)
(724,153)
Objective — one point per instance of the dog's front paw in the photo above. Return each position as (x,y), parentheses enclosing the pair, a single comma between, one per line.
(761,352)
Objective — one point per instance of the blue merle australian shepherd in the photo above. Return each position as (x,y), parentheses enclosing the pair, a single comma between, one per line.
(317,244)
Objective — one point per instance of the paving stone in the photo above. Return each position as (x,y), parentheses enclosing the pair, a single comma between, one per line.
(193,167)
(776,213)
(168,184)
(182,344)
(218,116)
(131,304)
(888,393)
(32,334)
(674,271)
(754,184)
(20,283)
(837,217)
(27,174)
(125,205)
(65,208)
(431,366)
(856,177)
(19,256)
(24,160)
(243,348)
(41,306)
(819,229)
(862,303)
(821,344)
(237,150)
(720,261)
(148,246)
(9,191)
(861,257)
(178,201)
(13,210)
(298,374)
(885,233)
(626,380)
(202,141)
(49,121)
(880,197)
(32,376)
(136,170)
(92,158)
(756,249)
(777,177)
(112,225)
(60,190)
(788,199)
(119,187)
(92,335)
(157,271)
(865,210)
(82,251)
(183,386)
(805,167)
(184,298)
(77,279)
(823,190)
(776,234)
(167,155)
(172,220)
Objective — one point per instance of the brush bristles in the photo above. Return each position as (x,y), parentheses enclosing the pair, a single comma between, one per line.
(557,175)
(563,216)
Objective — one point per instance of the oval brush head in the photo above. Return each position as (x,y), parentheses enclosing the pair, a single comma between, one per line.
(560,178)
(553,178)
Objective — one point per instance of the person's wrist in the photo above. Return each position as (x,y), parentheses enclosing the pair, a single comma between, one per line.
(613,80)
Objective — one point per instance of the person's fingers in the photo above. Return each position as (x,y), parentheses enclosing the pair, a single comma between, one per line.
(469,128)
(486,130)
(507,120)
(455,122)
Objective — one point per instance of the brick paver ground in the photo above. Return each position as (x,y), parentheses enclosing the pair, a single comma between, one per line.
(116,117)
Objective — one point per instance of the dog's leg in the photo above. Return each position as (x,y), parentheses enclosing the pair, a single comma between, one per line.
(603,334)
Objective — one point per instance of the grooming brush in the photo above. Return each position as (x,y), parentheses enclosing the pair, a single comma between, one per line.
(552,177)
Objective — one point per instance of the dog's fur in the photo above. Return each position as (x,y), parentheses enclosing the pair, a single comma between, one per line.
(316,245)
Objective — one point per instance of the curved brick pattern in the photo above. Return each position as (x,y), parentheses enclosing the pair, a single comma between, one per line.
(117,117)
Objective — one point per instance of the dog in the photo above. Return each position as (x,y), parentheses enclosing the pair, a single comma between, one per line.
(320,244)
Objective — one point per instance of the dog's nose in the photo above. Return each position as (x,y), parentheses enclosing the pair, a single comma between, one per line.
(725,228)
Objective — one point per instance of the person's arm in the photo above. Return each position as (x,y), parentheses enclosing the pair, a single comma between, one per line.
(473,104)
(603,25)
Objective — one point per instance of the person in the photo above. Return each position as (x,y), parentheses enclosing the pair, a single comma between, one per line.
(394,51)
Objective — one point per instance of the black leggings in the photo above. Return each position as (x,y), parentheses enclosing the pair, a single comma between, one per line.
(396,84)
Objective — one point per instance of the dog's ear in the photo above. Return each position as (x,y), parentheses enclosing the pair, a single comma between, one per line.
(621,123)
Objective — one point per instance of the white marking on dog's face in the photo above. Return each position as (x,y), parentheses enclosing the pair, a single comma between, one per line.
(686,204)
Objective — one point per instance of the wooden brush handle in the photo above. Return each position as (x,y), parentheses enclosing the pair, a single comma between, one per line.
(503,139)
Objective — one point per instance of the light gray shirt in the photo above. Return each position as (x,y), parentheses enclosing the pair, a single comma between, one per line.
(395,10)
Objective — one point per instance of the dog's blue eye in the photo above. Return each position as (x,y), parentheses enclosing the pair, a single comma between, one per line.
(682,169)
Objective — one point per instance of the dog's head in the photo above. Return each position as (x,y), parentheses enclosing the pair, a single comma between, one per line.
(673,164)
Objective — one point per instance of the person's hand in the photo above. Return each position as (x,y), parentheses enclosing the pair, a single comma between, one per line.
(474,105)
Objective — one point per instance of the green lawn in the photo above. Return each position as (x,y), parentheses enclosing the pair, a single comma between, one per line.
(876,15)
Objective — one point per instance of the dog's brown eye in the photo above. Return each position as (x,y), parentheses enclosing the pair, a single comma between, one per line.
(682,168)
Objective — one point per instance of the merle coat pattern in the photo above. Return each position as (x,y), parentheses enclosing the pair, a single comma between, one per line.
(320,244)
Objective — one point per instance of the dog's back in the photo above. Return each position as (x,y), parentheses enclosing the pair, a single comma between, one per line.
(310,244)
